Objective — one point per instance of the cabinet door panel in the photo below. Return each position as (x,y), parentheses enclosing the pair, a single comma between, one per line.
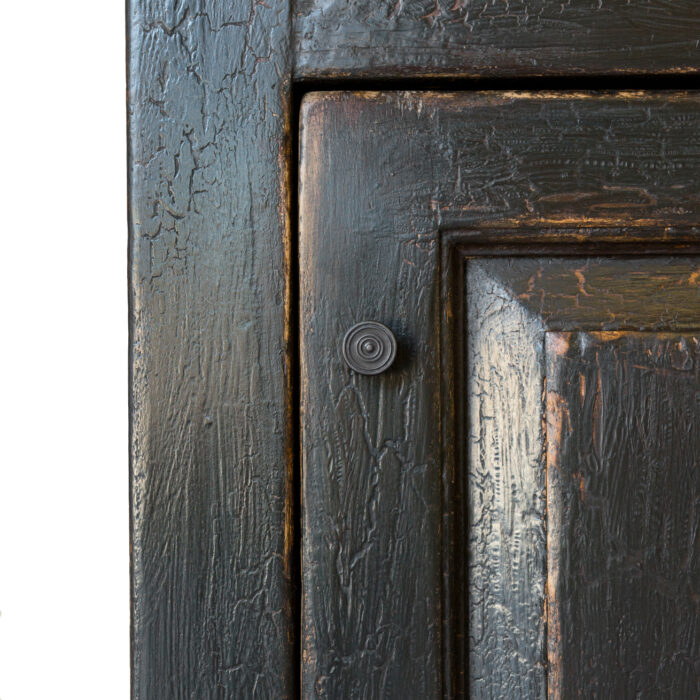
(531,254)
(622,502)
(512,305)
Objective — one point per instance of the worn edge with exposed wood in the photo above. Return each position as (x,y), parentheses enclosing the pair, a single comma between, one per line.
(622,492)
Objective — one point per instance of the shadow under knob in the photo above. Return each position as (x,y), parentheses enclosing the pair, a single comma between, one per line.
(369,347)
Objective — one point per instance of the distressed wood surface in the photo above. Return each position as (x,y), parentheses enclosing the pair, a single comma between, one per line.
(209,87)
(622,496)
(371,622)
(522,165)
(599,293)
(511,303)
(396,38)
(505,533)
(388,183)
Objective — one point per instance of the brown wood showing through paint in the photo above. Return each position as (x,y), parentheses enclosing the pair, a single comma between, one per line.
(512,305)
(622,502)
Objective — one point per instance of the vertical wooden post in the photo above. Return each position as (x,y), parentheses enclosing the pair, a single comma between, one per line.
(209,89)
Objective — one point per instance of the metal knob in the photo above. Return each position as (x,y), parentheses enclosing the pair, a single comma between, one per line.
(369,347)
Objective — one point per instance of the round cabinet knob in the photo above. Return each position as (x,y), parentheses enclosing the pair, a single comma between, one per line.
(369,347)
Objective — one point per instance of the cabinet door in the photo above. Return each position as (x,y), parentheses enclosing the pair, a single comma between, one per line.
(510,509)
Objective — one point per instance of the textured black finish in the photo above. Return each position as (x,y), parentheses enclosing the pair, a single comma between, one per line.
(622,502)
(211,453)
(396,190)
(511,305)
(501,217)
(393,38)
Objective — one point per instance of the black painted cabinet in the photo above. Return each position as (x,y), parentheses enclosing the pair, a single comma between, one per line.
(511,509)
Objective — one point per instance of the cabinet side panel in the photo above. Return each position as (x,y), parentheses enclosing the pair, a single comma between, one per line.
(210,438)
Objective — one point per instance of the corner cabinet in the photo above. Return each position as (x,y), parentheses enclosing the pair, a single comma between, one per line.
(415,349)
(511,508)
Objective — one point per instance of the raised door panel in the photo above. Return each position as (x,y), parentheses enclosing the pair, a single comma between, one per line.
(489,232)
(554,591)
(623,486)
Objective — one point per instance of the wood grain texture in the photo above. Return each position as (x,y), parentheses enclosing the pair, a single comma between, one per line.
(398,38)
(211,416)
(388,183)
(581,166)
(622,498)
(622,292)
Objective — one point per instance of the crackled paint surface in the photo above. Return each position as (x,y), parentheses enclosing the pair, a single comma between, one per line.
(423,575)
(211,413)
(505,488)
(622,500)
(511,304)
(371,471)
(485,38)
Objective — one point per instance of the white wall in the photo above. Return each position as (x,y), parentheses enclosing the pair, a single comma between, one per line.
(64,576)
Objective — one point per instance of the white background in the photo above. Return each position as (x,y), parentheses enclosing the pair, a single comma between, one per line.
(64,556)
